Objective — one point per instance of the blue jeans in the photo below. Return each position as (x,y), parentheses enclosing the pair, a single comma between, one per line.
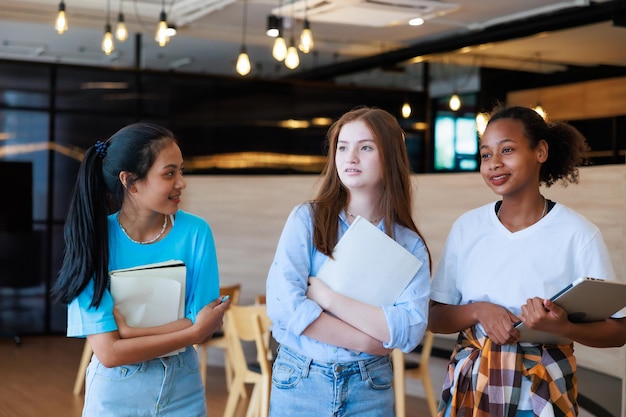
(306,388)
(169,386)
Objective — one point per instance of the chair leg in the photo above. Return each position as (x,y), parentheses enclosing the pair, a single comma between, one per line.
(82,369)
(201,350)
(431,399)
(399,383)
(236,392)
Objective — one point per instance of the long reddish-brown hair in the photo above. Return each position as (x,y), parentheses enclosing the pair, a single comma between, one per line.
(396,200)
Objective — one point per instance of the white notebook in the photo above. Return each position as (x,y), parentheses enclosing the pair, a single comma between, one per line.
(369,266)
(585,300)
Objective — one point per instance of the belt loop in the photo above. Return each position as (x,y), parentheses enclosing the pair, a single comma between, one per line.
(306,366)
(363,370)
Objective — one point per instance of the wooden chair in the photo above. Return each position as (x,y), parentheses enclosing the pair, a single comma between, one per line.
(403,369)
(219,340)
(85,358)
(249,324)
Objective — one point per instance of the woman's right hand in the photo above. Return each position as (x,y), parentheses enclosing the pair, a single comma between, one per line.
(498,323)
(210,319)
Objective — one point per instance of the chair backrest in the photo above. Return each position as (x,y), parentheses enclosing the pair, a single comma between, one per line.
(234,291)
(248,324)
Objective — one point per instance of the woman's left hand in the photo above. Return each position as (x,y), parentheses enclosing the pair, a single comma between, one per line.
(123,328)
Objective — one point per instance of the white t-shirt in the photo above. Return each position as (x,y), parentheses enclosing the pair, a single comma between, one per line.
(483,261)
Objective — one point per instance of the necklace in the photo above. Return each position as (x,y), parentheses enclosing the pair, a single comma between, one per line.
(145,242)
(374,221)
(543,212)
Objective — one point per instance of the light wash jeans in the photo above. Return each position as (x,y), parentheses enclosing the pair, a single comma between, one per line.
(169,386)
(303,387)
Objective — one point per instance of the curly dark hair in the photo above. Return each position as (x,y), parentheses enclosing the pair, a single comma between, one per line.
(567,147)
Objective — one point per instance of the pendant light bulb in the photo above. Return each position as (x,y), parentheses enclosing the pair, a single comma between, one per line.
(61,21)
(279,51)
(292,60)
(121,32)
(306,38)
(455,102)
(107,41)
(540,111)
(406,110)
(243,63)
(161,34)
(272,26)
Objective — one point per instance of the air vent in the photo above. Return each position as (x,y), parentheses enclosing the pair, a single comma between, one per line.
(376,13)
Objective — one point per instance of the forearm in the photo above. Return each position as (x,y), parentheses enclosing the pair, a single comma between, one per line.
(599,334)
(447,318)
(113,351)
(333,331)
(364,317)
(127,332)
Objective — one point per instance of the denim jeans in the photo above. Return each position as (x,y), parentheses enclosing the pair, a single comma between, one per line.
(306,388)
(169,386)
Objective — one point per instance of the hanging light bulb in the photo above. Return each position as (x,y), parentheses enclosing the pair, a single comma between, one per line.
(121,32)
(61,21)
(243,60)
(455,102)
(243,63)
(481,122)
(540,111)
(306,38)
(292,60)
(107,41)
(161,33)
(279,51)
(406,110)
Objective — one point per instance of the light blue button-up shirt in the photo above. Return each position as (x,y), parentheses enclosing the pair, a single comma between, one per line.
(292,312)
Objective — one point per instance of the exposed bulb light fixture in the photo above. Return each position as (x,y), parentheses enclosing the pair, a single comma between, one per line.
(107,41)
(161,33)
(60,23)
(406,110)
(540,111)
(306,38)
(292,60)
(455,102)
(121,32)
(481,122)
(272,26)
(418,21)
(243,63)
(279,51)
(243,60)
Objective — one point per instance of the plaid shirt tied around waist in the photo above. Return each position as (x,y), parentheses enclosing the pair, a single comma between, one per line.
(490,379)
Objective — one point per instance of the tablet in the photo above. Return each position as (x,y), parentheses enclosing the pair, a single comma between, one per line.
(586,299)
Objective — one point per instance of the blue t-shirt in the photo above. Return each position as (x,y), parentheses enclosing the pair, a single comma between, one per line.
(190,240)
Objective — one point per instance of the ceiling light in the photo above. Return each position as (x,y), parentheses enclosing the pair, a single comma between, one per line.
(121,33)
(292,60)
(107,41)
(171,31)
(418,21)
(306,38)
(161,33)
(540,111)
(455,102)
(406,110)
(243,60)
(279,51)
(61,21)
(272,26)
(481,122)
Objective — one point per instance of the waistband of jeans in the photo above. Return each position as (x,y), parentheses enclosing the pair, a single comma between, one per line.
(337,367)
